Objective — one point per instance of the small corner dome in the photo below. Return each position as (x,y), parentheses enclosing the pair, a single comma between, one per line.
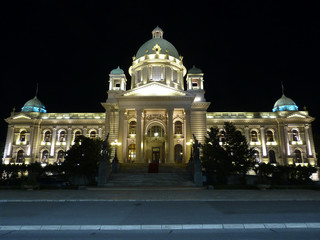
(195,70)
(117,70)
(285,104)
(34,105)
(157,39)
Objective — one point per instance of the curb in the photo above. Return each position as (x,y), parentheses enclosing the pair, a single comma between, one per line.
(246,226)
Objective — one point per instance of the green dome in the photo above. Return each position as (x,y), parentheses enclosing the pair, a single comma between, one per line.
(118,70)
(195,70)
(285,104)
(166,47)
(34,105)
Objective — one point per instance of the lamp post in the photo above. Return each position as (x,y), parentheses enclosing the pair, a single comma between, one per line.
(190,143)
(115,160)
(190,163)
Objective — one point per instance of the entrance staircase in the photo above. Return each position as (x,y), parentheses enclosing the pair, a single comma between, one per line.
(136,175)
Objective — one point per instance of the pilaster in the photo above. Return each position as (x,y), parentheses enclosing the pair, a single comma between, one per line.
(170,136)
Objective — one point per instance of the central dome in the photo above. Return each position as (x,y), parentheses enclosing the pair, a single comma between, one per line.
(165,47)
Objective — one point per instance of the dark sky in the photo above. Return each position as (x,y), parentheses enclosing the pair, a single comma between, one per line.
(245,49)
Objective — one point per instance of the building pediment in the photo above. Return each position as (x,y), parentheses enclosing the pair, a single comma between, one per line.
(154,89)
(21,116)
(296,115)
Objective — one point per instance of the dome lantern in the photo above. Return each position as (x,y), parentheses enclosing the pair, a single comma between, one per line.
(157,33)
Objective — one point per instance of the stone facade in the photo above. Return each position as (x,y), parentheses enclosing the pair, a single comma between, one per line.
(154,120)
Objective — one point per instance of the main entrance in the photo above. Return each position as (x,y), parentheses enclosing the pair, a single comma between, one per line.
(155,154)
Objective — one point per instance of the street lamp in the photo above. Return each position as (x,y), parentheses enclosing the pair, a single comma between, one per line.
(190,143)
(115,159)
(116,144)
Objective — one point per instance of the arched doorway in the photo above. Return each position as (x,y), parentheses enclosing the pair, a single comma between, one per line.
(297,156)
(20,156)
(178,153)
(155,143)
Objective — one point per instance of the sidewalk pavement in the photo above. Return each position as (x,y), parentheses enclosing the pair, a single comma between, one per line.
(157,194)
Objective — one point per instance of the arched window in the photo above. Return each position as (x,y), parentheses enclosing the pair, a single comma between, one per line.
(178,127)
(222,136)
(254,136)
(155,131)
(270,137)
(93,134)
(62,136)
(22,136)
(272,157)
(256,155)
(178,153)
(45,156)
(295,135)
(297,156)
(132,153)
(60,157)
(20,156)
(132,127)
(76,134)
(47,136)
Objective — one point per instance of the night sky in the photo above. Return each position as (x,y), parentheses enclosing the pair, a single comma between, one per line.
(245,49)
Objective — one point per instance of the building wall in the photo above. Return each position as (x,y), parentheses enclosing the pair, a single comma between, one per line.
(36,133)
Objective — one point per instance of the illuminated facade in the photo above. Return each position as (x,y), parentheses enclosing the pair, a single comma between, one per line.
(154,120)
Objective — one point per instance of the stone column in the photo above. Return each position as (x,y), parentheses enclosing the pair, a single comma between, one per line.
(124,139)
(188,133)
(246,133)
(168,76)
(286,140)
(170,137)
(263,141)
(36,142)
(138,136)
(31,142)
(85,132)
(69,138)
(107,119)
(120,140)
(100,132)
(9,140)
(307,139)
(53,142)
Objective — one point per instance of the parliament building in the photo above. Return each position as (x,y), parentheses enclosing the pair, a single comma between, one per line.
(155,117)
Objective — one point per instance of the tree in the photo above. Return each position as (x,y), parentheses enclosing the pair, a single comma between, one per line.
(82,158)
(238,150)
(230,155)
(215,159)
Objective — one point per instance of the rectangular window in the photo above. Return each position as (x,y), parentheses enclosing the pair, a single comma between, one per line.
(139,79)
(156,73)
(174,76)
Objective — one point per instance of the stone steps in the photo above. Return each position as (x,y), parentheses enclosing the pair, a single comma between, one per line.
(136,175)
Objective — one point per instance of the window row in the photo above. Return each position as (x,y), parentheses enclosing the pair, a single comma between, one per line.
(157,73)
(270,137)
(62,135)
(44,157)
(297,157)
